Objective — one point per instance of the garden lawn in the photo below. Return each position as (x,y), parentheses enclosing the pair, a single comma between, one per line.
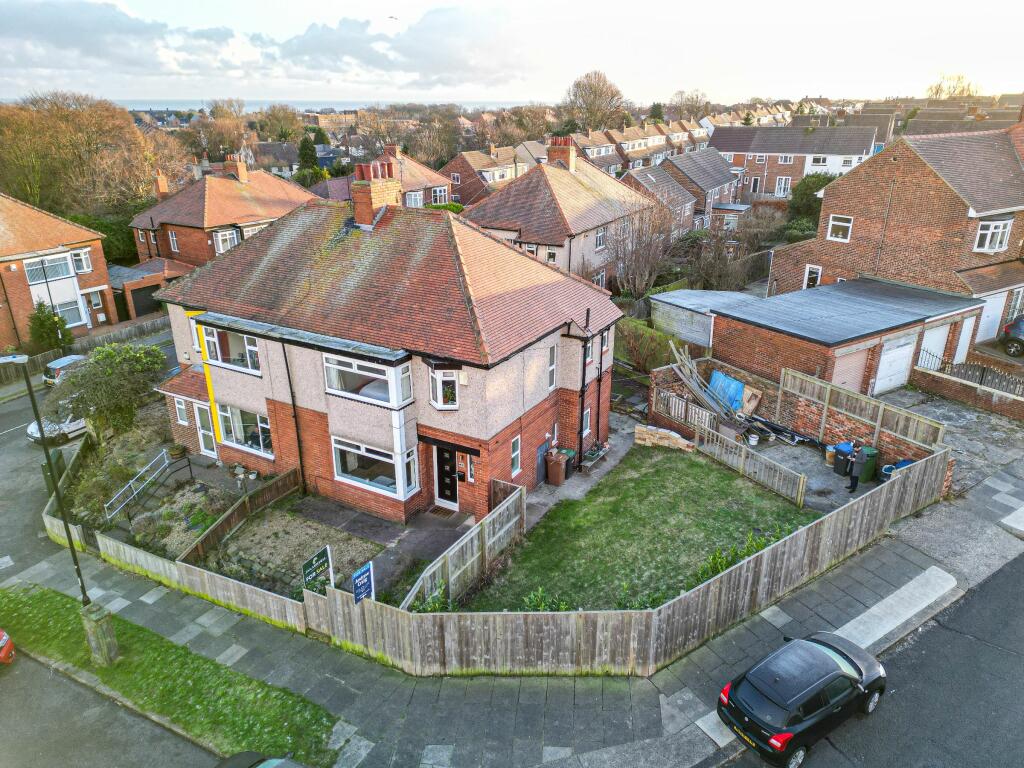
(211,702)
(648,525)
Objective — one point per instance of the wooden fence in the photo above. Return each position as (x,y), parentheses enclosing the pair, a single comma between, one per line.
(900,422)
(975,373)
(37,363)
(462,565)
(267,493)
(684,411)
(751,464)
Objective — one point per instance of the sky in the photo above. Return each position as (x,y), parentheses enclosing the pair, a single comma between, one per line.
(485,51)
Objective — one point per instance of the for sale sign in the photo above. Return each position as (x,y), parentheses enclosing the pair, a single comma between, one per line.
(318,568)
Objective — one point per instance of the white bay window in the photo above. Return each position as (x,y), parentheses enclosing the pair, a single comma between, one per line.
(363,465)
(993,236)
(444,389)
(360,380)
(225,240)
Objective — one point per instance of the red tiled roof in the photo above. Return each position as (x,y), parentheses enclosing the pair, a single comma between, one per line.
(413,175)
(27,229)
(993,277)
(218,200)
(422,280)
(190,383)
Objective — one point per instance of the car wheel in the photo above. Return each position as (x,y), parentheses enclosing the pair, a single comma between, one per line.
(1015,347)
(870,702)
(797,758)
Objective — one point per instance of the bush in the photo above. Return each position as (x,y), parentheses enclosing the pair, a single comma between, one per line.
(453,207)
(643,347)
(541,601)
(436,602)
(47,330)
(800,228)
(805,200)
(722,560)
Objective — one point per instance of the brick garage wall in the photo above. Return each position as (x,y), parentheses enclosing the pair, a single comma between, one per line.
(764,352)
(966,392)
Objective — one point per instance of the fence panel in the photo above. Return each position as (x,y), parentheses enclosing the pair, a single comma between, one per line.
(138,561)
(318,615)
(241,597)
(762,470)
(683,411)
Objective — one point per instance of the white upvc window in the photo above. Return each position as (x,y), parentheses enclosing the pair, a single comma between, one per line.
(840,228)
(414,199)
(586,422)
(993,236)
(246,430)
(727,156)
(819,160)
(152,236)
(552,256)
(444,389)
(1016,304)
(180,411)
(599,237)
(373,468)
(230,349)
(531,248)
(782,185)
(82,260)
(598,279)
(439,195)
(456,178)
(785,159)
(142,236)
(589,354)
(225,240)
(517,463)
(812,275)
(49,268)
(760,159)
(470,469)
(173,238)
(248,232)
(604,340)
(847,162)
(552,366)
(95,299)
(71,311)
(369,382)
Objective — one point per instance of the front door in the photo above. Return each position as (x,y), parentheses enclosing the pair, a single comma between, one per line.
(446,481)
(542,466)
(204,425)
(991,316)
(755,184)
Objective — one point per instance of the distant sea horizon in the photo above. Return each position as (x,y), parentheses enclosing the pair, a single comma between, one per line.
(254,105)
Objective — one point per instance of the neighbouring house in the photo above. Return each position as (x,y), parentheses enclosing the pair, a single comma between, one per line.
(465,125)
(563,212)
(711,180)
(327,155)
(600,150)
(214,213)
(44,258)
(134,287)
(338,188)
(532,152)
(944,212)
(665,188)
(420,185)
(280,158)
(884,124)
(774,160)
(475,174)
(640,146)
(680,137)
(410,360)
(865,335)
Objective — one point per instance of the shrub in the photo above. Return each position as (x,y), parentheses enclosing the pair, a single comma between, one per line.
(47,330)
(539,600)
(723,559)
(436,602)
(800,228)
(453,207)
(805,200)
(643,347)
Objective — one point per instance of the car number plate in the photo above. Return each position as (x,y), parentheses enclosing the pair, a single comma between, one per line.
(744,736)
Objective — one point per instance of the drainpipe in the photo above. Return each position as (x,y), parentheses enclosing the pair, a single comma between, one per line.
(583,392)
(600,376)
(569,269)
(295,416)
(157,238)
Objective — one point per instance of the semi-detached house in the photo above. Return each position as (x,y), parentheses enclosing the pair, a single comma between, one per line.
(713,182)
(401,358)
(564,212)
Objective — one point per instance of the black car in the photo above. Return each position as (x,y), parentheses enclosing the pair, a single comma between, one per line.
(792,698)
(1013,337)
(256,760)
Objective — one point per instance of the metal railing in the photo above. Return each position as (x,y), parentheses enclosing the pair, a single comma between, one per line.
(145,477)
(973,373)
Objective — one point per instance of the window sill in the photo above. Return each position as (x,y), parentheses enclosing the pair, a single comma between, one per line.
(247,449)
(989,252)
(366,486)
(837,239)
(229,367)
(438,407)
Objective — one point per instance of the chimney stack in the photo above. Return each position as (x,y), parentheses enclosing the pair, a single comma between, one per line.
(562,150)
(160,184)
(493,150)
(234,164)
(392,149)
(375,187)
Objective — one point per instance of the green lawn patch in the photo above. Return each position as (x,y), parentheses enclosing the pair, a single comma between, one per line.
(641,534)
(209,701)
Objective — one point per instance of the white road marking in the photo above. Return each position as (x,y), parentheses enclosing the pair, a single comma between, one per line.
(12,429)
(887,614)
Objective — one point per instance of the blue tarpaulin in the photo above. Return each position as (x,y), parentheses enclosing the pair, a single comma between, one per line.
(728,389)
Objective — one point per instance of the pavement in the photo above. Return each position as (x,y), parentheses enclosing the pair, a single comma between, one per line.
(387,718)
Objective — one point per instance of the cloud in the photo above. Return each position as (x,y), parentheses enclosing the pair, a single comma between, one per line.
(58,44)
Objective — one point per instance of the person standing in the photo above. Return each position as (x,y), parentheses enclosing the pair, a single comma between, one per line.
(857,462)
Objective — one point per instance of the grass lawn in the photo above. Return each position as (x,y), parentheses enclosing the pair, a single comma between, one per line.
(649,524)
(208,700)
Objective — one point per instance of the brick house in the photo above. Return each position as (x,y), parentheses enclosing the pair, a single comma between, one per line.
(412,359)
(664,187)
(600,150)
(420,185)
(864,335)
(44,258)
(641,146)
(944,212)
(711,180)
(475,174)
(563,212)
(213,214)
(774,160)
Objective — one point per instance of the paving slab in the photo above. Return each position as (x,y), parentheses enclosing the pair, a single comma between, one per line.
(715,729)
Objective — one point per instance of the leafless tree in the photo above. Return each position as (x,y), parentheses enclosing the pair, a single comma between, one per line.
(382,126)
(435,141)
(951,87)
(226,108)
(706,259)
(593,101)
(639,245)
(689,104)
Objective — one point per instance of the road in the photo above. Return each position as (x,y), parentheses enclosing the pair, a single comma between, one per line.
(47,720)
(954,691)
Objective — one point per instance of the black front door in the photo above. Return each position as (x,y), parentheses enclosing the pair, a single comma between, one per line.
(447,481)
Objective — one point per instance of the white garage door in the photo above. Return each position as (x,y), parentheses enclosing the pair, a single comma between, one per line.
(894,364)
(849,370)
(932,347)
(991,314)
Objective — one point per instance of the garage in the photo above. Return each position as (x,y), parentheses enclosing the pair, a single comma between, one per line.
(143,300)
(933,346)
(991,316)
(895,363)
(848,371)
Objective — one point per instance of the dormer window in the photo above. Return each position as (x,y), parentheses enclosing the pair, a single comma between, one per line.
(993,236)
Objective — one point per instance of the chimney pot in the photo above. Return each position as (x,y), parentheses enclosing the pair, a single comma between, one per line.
(563,150)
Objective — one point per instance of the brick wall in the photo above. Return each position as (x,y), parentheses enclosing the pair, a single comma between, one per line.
(965,392)
(471,188)
(768,172)
(764,352)
(183,434)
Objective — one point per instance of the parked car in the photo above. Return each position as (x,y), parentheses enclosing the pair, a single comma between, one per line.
(56,369)
(798,694)
(6,648)
(66,428)
(256,760)
(1013,337)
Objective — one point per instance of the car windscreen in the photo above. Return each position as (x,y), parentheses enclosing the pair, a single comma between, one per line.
(846,665)
(755,703)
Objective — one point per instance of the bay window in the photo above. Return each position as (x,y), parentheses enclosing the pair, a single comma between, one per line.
(993,236)
(444,390)
(371,467)
(414,199)
(70,311)
(245,429)
(360,380)
(232,349)
(225,240)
